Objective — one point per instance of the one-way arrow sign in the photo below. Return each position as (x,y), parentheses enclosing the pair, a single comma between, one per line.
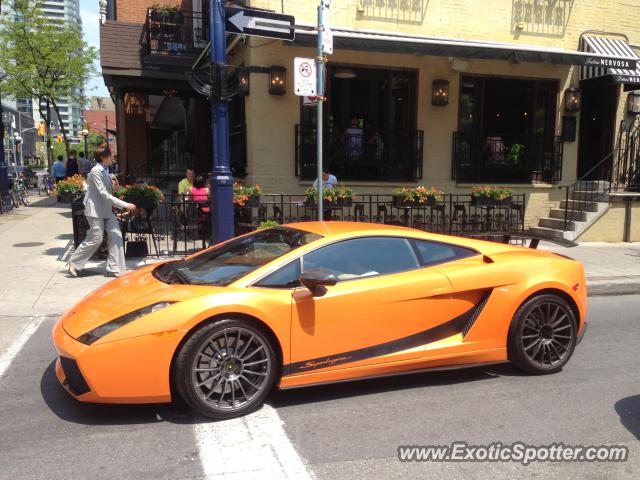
(260,23)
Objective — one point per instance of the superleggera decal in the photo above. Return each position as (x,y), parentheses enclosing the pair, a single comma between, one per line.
(454,326)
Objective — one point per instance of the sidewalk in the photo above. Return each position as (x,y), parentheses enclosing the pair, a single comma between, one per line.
(35,242)
(610,268)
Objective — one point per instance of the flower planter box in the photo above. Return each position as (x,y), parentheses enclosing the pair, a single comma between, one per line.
(344,203)
(490,202)
(399,202)
(252,202)
(65,197)
(148,204)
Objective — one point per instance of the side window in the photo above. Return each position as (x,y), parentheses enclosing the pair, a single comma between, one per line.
(362,257)
(432,253)
(285,277)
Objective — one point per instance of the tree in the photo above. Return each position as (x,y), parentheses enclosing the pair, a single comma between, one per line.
(44,59)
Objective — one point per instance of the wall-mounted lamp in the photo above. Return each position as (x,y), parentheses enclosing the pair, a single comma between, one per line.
(440,95)
(572,100)
(277,80)
(243,81)
(633,103)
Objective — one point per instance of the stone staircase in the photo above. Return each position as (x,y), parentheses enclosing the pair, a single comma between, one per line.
(587,203)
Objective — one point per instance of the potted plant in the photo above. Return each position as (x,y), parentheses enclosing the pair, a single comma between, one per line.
(246,196)
(338,196)
(513,155)
(141,195)
(416,197)
(66,189)
(490,196)
(165,13)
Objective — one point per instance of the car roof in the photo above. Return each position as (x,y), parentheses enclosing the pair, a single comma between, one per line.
(345,229)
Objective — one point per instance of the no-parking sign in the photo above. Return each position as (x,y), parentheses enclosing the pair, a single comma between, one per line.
(305,77)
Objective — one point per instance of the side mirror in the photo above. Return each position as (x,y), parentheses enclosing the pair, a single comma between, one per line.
(316,280)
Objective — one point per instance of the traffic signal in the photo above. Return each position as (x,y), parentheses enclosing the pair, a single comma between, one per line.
(41,129)
(59,139)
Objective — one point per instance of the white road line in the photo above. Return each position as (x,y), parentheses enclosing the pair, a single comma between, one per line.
(250,447)
(10,353)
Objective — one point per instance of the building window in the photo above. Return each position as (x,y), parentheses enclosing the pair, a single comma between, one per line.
(370,127)
(506,131)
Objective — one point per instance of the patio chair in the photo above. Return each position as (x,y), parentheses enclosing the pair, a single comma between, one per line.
(189,223)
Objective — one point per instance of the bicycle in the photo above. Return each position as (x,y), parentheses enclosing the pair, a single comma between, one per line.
(46,186)
(20,192)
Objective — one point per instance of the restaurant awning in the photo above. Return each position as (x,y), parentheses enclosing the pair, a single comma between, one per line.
(380,41)
(630,77)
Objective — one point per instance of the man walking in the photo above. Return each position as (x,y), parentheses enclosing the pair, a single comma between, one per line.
(98,204)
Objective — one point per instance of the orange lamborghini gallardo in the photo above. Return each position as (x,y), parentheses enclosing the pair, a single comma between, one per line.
(313,303)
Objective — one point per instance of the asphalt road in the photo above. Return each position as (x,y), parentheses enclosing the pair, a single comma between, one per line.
(348,430)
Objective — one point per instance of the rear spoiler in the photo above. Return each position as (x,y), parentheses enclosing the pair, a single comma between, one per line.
(534,240)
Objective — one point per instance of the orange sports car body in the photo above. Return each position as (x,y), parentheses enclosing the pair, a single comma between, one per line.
(317,302)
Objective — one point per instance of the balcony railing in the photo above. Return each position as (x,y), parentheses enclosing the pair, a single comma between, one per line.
(176,33)
(390,156)
(506,159)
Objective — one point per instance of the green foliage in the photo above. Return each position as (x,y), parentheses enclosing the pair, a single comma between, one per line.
(268,224)
(335,194)
(140,191)
(44,59)
(496,193)
(418,194)
(514,153)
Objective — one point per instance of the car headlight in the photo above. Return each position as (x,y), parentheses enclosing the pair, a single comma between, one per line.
(106,328)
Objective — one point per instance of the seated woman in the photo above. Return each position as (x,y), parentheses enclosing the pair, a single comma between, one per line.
(200,194)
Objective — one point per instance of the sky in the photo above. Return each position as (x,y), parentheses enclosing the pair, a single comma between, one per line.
(89,11)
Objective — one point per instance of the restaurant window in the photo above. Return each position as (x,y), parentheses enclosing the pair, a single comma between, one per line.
(369,126)
(506,131)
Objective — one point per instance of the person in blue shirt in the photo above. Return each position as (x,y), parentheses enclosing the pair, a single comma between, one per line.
(58,170)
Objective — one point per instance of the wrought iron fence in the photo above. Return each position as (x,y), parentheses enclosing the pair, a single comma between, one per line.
(179,227)
(389,155)
(521,159)
(175,32)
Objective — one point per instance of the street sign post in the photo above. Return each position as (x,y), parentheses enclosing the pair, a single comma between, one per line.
(304,76)
(246,21)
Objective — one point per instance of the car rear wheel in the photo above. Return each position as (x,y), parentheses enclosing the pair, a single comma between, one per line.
(225,369)
(542,335)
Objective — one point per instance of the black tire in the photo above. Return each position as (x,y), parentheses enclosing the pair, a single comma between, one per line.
(225,351)
(25,197)
(542,335)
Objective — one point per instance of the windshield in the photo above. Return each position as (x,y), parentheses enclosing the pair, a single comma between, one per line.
(236,258)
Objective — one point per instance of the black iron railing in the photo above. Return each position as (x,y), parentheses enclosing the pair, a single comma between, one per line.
(506,159)
(175,32)
(618,171)
(390,156)
(179,227)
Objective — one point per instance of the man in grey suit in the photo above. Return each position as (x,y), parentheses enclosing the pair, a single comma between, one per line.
(98,208)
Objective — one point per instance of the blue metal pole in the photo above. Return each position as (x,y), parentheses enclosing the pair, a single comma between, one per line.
(221,181)
(320,90)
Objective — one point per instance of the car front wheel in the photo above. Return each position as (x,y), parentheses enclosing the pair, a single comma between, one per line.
(542,335)
(225,369)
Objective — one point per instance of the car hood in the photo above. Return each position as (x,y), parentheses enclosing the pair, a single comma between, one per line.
(124,295)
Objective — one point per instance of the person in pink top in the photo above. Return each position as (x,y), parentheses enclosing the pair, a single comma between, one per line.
(200,193)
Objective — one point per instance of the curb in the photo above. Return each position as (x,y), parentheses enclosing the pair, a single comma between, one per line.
(606,288)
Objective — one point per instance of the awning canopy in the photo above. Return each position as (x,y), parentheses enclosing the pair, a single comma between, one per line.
(610,46)
(379,41)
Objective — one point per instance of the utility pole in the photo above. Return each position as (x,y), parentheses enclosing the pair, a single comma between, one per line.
(4,180)
(106,128)
(221,181)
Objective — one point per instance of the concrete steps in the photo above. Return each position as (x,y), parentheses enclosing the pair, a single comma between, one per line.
(586,205)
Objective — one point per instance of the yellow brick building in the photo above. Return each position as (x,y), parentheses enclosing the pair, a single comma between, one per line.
(508,68)
(271,120)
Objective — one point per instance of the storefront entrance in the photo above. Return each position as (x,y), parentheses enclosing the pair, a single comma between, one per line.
(597,129)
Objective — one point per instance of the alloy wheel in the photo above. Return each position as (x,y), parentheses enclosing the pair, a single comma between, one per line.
(547,334)
(231,369)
